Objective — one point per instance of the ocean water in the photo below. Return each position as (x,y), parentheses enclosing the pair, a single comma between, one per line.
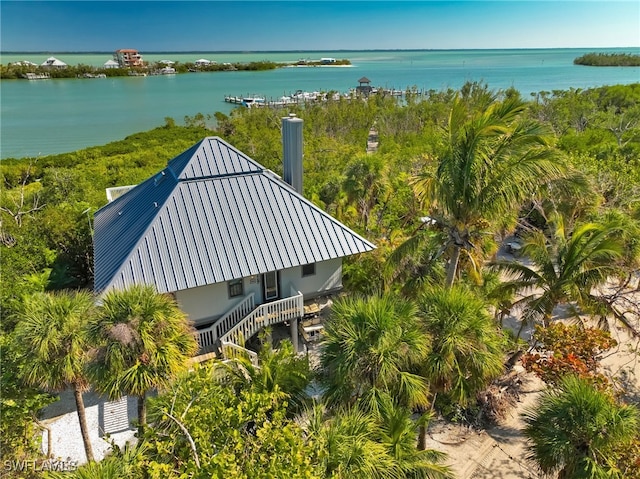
(39,118)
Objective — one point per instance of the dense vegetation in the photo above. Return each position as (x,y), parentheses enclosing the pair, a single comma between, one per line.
(608,60)
(13,71)
(562,170)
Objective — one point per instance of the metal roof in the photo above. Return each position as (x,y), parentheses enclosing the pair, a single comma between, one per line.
(212,215)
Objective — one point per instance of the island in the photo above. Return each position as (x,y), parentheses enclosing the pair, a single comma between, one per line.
(58,69)
(608,60)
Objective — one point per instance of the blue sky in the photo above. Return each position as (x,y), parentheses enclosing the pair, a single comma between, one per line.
(81,26)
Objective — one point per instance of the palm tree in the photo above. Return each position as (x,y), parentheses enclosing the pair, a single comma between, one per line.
(144,342)
(346,445)
(353,442)
(371,346)
(279,370)
(397,433)
(467,347)
(576,430)
(564,270)
(51,333)
(494,159)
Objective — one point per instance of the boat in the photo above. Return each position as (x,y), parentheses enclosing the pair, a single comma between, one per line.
(168,71)
(253,101)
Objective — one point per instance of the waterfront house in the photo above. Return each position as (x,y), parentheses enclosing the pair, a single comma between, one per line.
(128,57)
(111,64)
(203,62)
(237,246)
(53,62)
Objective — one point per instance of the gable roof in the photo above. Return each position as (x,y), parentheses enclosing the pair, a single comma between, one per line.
(212,215)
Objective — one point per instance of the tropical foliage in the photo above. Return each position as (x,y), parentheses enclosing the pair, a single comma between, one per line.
(494,158)
(52,332)
(578,431)
(467,348)
(574,349)
(144,341)
(373,346)
(455,173)
(564,269)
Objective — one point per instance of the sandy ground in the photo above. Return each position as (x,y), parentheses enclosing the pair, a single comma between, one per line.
(500,452)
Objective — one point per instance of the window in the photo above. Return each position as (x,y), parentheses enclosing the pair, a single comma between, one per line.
(236,288)
(308,269)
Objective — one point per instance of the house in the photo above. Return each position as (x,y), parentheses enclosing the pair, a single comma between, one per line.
(111,64)
(203,62)
(237,246)
(128,57)
(53,62)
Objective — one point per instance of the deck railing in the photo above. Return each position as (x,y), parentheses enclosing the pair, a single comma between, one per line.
(267,314)
(208,338)
(234,351)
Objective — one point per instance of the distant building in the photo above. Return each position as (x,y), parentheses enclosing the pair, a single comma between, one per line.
(111,64)
(128,57)
(364,86)
(327,61)
(53,62)
(203,62)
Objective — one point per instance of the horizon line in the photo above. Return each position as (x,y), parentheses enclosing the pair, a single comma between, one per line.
(151,52)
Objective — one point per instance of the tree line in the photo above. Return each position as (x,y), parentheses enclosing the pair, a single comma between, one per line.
(457,173)
(608,60)
(16,71)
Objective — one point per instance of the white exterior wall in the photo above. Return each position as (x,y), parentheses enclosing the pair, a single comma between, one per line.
(328,276)
(207,303)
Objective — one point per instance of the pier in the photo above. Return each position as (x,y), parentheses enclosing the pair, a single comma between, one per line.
(301,97)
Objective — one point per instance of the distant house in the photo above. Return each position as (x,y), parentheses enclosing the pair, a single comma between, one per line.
(203,62)
(25,63)
(237,246)
(128,57)
(327,61)
(111,64)
(53,62)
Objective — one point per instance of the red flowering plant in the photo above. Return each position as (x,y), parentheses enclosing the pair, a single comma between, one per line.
(569,349)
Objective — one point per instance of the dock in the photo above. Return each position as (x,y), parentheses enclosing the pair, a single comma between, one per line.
(301,97)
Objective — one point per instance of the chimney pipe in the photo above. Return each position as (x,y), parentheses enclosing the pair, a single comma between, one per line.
(292,151)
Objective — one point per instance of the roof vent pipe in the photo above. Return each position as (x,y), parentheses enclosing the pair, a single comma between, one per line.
(292,151)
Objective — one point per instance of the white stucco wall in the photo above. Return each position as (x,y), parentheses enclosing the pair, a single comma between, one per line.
(328,276)
(207,303)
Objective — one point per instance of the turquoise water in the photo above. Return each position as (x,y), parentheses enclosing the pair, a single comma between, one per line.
(55,116)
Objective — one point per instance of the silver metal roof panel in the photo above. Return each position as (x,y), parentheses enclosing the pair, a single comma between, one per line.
(211,216)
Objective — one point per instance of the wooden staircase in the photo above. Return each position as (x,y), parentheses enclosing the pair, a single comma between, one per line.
(229,333)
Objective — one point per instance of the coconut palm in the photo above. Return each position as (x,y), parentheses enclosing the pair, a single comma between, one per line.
(564,270)
(51,333)
(575,430)
(467,347)
(494,159)
(144,342)
(371,346)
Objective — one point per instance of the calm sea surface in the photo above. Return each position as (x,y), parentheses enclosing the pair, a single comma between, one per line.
(55,116)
